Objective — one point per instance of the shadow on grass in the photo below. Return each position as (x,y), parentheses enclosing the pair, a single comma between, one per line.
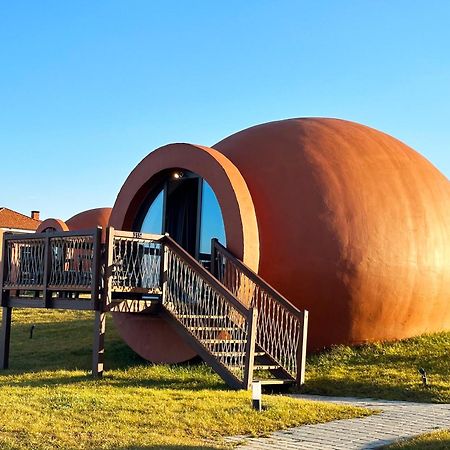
(349,388)
(428,444)
(167,447)
(187,383)
(67,346)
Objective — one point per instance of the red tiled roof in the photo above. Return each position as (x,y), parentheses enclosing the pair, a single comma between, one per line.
(13,219)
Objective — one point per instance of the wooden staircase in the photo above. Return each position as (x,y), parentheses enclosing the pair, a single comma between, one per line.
(242,327)
(211,349)
(239,337)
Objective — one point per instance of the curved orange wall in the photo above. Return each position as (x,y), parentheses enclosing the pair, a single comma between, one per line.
(91,218)
(85,220)
(151,337)
(52,224)
(353,224)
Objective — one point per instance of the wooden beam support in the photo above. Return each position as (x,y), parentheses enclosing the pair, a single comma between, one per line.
(163,264)
(301,351)
(252,321)
(106,298)
(5,329)
(96,264)
(98,350)
(5,337)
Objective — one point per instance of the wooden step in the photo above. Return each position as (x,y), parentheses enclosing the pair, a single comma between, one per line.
(266,366)
(275,381)
(212,328)
(235,353)
(197,316)
(223,341)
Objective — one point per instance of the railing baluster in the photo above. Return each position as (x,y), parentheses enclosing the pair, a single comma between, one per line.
(252,321)
(47,295)
(301,352)
(108,268)
(95,265)
(163,271)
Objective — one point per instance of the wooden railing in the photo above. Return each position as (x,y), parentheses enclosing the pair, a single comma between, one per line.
(132,271)
(221,328)
(49,266)
(215,323)
(281,326)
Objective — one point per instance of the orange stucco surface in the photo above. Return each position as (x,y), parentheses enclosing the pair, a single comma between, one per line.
(354,226)
(85,220)
(92,218)
(344,220)
(52,224)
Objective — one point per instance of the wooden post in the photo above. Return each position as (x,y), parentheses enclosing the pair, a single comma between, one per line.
(213,266)
(252,321)
(46,294)
(2,267)
(98,352)
(96,265)
(5,330)
(301,350)
(163,269)
(5,337)
(107,273)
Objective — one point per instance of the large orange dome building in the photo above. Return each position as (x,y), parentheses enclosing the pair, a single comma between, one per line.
(344,220)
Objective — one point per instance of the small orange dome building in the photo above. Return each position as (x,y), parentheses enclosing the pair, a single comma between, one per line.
(342,219)
(85,220)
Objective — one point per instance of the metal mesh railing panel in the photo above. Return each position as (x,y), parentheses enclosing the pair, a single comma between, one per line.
(72,259)
(136,264)
(207,314)
(278,330)
(24,263)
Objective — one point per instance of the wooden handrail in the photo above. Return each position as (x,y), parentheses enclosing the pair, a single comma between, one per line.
(249,314)
(46,237)
(52,234)
(137,235)
(258,280)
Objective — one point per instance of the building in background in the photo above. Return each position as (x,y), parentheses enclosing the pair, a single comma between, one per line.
(16,222)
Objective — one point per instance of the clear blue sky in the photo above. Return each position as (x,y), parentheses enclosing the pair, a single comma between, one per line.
(88,88)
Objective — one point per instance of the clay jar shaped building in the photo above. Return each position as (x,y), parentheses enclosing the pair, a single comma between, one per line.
(342,219)
(85,220)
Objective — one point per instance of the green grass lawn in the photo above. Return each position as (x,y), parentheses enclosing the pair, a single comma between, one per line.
(386,371)
(439,440)
(49,401)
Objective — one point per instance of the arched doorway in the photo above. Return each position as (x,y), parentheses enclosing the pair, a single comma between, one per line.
(184,205)
(143,193)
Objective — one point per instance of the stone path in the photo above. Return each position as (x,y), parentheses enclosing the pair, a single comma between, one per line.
(398,420)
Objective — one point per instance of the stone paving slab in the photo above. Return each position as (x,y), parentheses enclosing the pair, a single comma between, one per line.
(398,420)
